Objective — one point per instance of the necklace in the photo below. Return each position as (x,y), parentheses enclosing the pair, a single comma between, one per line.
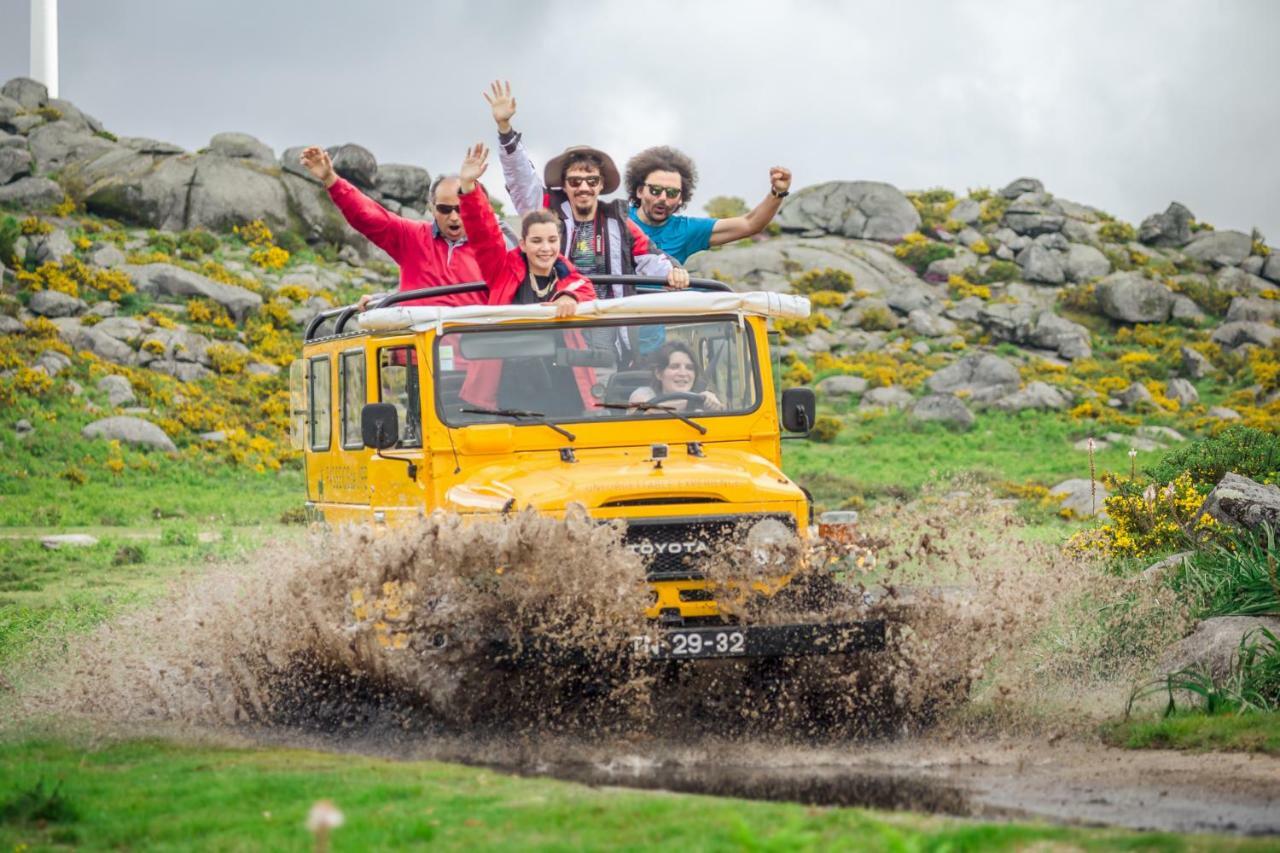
(533,284)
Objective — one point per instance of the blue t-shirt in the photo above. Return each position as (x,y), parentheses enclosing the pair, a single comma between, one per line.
(679,236)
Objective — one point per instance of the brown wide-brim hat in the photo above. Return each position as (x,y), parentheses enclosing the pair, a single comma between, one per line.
(553,172)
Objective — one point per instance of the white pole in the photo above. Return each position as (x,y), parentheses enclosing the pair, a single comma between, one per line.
(44,44)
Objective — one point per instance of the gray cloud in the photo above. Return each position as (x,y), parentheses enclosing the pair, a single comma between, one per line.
(1123,105)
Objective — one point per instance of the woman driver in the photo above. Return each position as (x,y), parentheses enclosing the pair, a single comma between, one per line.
(674,375)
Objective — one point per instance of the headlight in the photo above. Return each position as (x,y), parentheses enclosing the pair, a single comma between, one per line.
(767,540)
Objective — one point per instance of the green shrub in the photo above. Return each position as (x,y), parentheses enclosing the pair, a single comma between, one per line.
(997,271)
(291,242)
(918,254)
(129,555)
(1246,451)
(830,279)
(1253,684)
(877,318)
(826,428)
(162,242)
(182,535)
(937,195)
(1212,300)
(9,233)
(200,240)
(725,207)
(1116,231)
(1235,576)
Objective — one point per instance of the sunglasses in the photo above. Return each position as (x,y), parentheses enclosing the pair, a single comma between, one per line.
(657,192)
(446,209)
(576,181)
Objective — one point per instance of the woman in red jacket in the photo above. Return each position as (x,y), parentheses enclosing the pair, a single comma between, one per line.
(534,272)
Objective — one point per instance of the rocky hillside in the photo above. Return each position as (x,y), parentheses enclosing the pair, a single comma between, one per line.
(155,294)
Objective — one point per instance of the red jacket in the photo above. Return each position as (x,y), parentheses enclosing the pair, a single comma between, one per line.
(426,259)
(504,271)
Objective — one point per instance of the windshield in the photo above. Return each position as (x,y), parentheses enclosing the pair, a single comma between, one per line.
(632,370)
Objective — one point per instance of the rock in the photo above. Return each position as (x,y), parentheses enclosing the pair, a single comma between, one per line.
(1183,391)
(54,246)
(1134,442)
(943,268)
(1037,395)
(11,325)
(406,184)
(1223,248)
(1155,572)
(139,188)
(1185,310)
(921,322)
(912,297)
(981,372)
(68,540)
(89,338)
(1082,498)
(104,309)
(1071,340)
(185,371)
(51,303)
(31,193)
(1085,262)
(23,427)
(9,110)
(59,143)
(10,140)
(1054,241)
(1223,413)
(14,163)
(1215,645)
(770,265)
(966,211)
(146,145)
(1194,365)
(174,345)
(889,397)
(125,329)
(242,146)
(1041,265)
(1271,267)
(1099,444)
(130,430)
(1171,228)
(1232,335)
(261,368)
(942,407)
(1160,433)
(53,362)
(864,209)
(76,117)
(842,386)
(1252,265)
(1241,502)
(226,192)
(1235,279)
(24,124)
(1253,309)
(1134,395)
(30,94)
(118,389)
(106,256)
(1033,216)
(1130,298)
(216,436)
(1022,186)
(355,163)
(168,280)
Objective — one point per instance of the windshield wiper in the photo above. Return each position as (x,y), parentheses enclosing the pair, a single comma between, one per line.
(650,407)
(520,414)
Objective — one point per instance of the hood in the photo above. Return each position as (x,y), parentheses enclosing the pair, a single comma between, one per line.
(609,479)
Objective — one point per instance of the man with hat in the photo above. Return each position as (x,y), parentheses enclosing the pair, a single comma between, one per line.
(598,237)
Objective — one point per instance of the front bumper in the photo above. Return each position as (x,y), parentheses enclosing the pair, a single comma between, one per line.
(761,641)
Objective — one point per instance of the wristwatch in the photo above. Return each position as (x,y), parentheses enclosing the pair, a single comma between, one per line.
(777,194)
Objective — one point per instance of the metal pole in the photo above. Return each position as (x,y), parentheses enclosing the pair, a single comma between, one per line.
(44,44)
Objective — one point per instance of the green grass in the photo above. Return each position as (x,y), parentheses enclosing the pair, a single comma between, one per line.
(892,456)
(233,799)
(1257,731)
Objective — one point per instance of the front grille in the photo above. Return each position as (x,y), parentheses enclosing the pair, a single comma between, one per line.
(673,547)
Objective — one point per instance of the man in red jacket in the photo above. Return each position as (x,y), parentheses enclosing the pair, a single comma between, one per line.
(430,254)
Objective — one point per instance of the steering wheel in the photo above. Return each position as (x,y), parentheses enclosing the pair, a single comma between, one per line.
(688,396)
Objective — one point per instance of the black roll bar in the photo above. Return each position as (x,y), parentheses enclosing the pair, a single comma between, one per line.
(653,281)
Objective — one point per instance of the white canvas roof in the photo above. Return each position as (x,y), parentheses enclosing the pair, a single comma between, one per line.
(665,304)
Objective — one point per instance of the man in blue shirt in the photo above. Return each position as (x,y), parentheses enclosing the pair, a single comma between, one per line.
(660,182)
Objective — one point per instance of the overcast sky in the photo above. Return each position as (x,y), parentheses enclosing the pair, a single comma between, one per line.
(1122,105)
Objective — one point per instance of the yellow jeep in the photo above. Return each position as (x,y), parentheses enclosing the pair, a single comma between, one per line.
(489,410)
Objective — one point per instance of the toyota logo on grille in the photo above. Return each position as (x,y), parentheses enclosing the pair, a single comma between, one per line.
(647,548)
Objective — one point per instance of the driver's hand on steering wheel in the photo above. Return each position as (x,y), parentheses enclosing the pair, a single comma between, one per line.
(711,402)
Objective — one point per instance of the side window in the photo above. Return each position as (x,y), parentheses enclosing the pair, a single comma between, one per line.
(398,385)
(351,386)
(319,403)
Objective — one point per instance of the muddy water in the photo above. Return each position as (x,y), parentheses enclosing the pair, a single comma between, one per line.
(508,645)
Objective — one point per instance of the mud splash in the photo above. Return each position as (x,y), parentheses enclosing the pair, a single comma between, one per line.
(525,625)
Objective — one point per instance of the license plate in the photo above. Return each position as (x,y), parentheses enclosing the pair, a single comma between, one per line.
(694,643)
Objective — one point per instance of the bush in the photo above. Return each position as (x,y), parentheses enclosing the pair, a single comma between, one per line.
(918,251)
(291,242)
(877,318)
(198,241)
(1212,300)
(1248,452)
(9,233)
(830,279)
(996,272)
(1236,576)
(725,207)
(826,428)
(1116,231)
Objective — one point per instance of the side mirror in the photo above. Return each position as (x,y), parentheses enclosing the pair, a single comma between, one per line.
(799,408)
(379,425)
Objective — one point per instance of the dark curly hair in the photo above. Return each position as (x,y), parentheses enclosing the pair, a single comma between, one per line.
(661,158)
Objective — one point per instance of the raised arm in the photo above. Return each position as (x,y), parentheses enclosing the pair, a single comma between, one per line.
(524,185)
(478,217)
(383,228)
(738,227)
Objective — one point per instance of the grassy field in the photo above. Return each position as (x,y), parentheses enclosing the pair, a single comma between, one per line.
(1257,731)
(156,795)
